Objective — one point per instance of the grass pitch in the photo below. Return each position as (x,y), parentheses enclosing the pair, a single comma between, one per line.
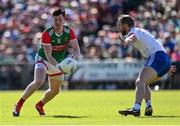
(90,108)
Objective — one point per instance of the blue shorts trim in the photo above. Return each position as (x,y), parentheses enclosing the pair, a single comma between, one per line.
(160,62)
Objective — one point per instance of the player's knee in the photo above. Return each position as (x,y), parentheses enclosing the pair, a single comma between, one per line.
(137,82)
(38,83)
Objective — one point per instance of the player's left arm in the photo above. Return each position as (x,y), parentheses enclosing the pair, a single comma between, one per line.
(76,50)
(128,40)
(74,44)
(172,69)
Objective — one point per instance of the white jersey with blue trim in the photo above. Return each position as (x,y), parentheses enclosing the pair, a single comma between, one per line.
(146,43)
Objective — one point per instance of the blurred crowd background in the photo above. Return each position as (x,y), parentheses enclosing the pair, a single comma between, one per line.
(94,22)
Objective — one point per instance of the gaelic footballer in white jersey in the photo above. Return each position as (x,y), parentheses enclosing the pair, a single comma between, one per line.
(146,43)
(157,63)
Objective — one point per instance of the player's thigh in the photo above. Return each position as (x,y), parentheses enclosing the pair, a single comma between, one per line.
(153,80)
(147,75)
(55,76)
(160,62)
(53,71)
(40,72)
(55,82)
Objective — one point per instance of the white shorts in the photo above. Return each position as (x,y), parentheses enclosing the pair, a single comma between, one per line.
(49,68)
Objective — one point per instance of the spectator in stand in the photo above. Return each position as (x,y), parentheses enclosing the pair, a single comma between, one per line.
(169,43)
(20,21)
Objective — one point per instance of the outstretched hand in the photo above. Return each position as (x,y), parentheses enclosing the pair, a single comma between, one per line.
(122,39)
(172,70)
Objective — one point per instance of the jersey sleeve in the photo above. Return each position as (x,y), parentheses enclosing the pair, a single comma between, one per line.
(72,34)
(132,33)
(46,39)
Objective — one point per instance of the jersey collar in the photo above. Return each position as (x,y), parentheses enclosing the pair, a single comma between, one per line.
(58,35)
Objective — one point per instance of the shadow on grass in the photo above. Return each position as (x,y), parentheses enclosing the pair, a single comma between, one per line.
(161,116)
(66,116)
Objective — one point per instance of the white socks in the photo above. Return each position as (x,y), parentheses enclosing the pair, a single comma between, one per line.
(137,106)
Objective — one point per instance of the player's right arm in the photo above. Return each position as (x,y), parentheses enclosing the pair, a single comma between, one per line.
(130,39)
(46,42)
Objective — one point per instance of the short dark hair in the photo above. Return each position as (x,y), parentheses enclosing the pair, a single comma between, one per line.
(58,12)
(126,19)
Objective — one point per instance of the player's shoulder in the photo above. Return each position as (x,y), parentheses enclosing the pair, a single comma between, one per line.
(132,31)
(136,29)
(68,29)
(48,30)
(141,30)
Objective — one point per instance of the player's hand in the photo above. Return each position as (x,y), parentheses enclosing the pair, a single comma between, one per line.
(121,38)
(172,70)
(80,57)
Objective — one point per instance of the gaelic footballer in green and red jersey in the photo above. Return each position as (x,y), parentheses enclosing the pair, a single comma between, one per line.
(59,42)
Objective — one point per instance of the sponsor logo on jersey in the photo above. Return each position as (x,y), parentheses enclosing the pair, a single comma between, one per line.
(59,48)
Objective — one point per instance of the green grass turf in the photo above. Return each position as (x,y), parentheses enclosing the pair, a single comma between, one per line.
(91,108)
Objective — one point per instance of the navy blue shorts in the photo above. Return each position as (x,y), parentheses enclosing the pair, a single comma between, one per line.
(160,62)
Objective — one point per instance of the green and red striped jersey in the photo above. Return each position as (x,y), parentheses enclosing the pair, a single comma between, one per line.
(59,42)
